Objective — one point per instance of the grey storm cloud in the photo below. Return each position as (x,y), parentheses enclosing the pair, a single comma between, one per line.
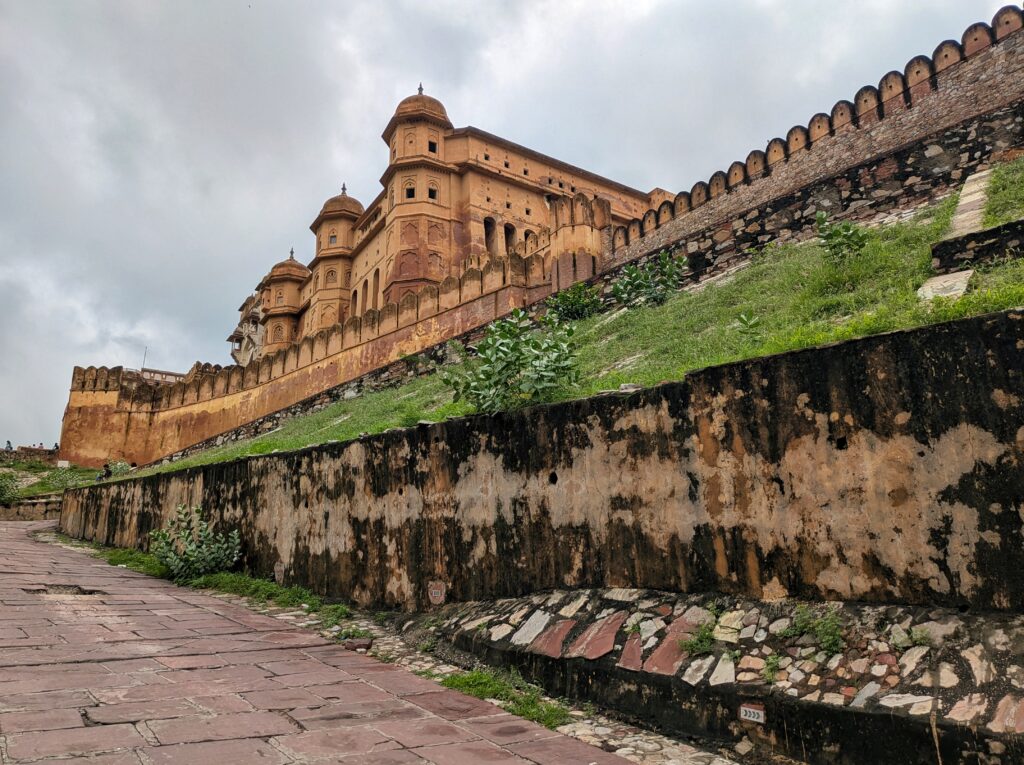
(157,157)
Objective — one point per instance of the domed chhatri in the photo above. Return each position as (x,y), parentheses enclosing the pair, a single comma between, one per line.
(415,108)
(421,105)
(289,267)
(342,203)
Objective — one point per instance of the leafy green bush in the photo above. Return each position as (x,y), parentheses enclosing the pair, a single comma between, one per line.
(579,301)
(63,478)
(8,488)
(516,364)
(650,284)
(843,241)
(189,548)
(120,467)
(827,629)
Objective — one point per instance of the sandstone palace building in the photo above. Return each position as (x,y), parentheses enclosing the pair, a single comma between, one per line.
(468,226)
(451,198)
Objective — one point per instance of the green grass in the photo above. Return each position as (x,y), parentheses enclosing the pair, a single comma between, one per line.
(136,560)
(791,297)
(1005,194)
(259,590)
(515,694)
(702,641)
(45,476)
(423,398)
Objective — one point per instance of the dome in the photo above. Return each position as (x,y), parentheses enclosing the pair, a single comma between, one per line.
(289,268)
(417,106)
(420,105)
(342,203)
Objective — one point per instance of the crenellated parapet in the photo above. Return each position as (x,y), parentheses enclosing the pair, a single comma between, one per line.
(897,92)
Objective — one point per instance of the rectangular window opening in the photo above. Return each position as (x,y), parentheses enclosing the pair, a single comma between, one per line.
(410,193)
(432,193)
(432,147)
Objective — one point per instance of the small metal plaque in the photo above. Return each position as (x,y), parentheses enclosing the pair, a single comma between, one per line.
(752,713)
(437,591)
(279,572)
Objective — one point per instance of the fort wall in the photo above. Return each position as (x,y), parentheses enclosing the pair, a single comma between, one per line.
(895,146)
(886,469)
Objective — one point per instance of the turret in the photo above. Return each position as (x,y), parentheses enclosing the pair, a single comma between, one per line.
(281,294)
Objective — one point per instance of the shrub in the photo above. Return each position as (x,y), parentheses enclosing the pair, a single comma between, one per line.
(843,241)
(8,488)
(120,468)
(702,641)
(578,302)
(827,630)
(516,364)
(651,283)
(62,478)
(189,548)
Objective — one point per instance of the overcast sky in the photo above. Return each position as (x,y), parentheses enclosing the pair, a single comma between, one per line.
(156,158)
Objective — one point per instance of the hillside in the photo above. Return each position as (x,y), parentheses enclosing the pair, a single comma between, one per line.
(798,298)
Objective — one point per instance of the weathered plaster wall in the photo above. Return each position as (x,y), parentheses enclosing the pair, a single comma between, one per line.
(884,469)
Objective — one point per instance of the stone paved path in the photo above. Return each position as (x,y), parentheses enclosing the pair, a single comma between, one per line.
(104,666)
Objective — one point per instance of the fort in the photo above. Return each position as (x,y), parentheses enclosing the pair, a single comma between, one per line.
(468,225)
(809,551)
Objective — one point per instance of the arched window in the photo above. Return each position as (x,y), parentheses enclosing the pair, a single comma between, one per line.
(355,303)
(376,286)
(279,299)
(332,276)
(348,278)
(316,282)
(333,238)
(410,190)
(366,290)
(432,191)
(278,333)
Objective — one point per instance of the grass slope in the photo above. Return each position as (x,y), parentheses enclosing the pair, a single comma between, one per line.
(799,298)
(1005,194)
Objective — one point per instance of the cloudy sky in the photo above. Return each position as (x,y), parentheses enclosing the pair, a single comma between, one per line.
(156,157)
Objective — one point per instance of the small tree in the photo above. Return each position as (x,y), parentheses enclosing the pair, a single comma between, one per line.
(62,478)
(516,364)
(651,283)
(843,241)
(189,548)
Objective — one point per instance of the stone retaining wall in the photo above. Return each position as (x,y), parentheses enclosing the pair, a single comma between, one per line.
(993,244)
(45,508)
(882,469)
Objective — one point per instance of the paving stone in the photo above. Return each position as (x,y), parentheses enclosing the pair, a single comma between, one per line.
(549,642)
(895,700)
(155,710)
(455,706)
(864,694)
(243,725)
(725,672)
(471,753)
(1006,718)
(18,722)
(286,698)
(944,676)
(981,667)
(500,632)
(362,740)
(908,661)
(505,729)
(968,708)
(598,638)
(68,741)
(531,628)
(696,671)
(240,750)
(632,654)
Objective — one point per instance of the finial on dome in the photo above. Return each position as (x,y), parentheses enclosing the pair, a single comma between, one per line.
(291,254)
(343,189)
(421,89)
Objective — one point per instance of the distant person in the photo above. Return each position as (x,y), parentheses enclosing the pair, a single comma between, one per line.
(56,446)
(107,472)
(8,448)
